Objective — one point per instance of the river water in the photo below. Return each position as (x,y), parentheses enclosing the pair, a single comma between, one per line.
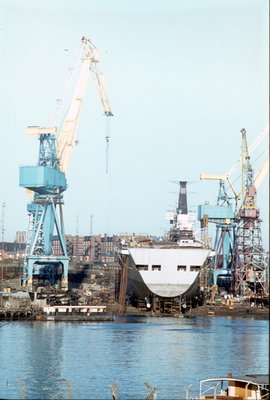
(47,360)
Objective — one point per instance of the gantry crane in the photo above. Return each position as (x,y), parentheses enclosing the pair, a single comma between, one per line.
(48,180)
(222,215)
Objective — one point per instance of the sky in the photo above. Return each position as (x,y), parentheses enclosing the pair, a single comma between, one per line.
(183,78)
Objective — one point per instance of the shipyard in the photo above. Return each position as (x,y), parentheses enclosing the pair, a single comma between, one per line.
(175,275)
(134,203)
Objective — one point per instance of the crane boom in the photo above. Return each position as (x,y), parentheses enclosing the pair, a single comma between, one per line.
(213,177)
(66,137)
(260,175)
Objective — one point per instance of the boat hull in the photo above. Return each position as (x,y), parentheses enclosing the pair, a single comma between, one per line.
(164,272)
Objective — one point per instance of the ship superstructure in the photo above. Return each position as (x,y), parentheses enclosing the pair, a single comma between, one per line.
(181,220)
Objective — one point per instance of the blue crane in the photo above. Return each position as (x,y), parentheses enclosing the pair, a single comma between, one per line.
(48,184)
(47,180)
(222,215)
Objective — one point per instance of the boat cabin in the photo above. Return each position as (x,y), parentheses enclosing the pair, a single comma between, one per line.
(246,387)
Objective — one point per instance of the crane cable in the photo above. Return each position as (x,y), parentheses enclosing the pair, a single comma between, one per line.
(251,148)
(263,134)
(72,70)
(107,139)
(108,172)
(239,176)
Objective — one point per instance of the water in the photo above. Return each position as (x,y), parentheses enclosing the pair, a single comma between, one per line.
(170,353)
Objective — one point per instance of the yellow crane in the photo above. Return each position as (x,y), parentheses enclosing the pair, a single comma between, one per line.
(246,167)
(67,135)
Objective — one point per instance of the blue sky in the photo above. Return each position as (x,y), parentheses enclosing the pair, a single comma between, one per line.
(183,77)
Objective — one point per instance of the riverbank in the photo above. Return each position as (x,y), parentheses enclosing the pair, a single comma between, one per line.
(210,311)
(19,305)
(244,311)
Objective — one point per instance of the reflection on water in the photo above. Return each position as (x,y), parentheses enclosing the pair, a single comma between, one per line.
(169,353)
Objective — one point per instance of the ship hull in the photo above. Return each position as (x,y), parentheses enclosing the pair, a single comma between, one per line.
(164,272)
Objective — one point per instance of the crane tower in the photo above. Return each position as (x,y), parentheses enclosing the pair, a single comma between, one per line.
(249,263)
(48,180)
(238,250)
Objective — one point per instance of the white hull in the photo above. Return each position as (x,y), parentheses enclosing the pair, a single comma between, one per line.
(164,272)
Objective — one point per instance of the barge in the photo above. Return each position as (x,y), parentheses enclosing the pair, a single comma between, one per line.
(75,313)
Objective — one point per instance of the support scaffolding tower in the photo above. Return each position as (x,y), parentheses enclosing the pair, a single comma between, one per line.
(250,261)
(249,267)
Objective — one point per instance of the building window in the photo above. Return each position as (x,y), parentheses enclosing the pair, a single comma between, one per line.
(181,267)
(142,267)
(156,267)
(195,268)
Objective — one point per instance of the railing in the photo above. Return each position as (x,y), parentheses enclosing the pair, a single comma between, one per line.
(152,392)
(211,388)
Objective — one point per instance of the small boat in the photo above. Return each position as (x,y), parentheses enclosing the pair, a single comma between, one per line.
(246,387)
